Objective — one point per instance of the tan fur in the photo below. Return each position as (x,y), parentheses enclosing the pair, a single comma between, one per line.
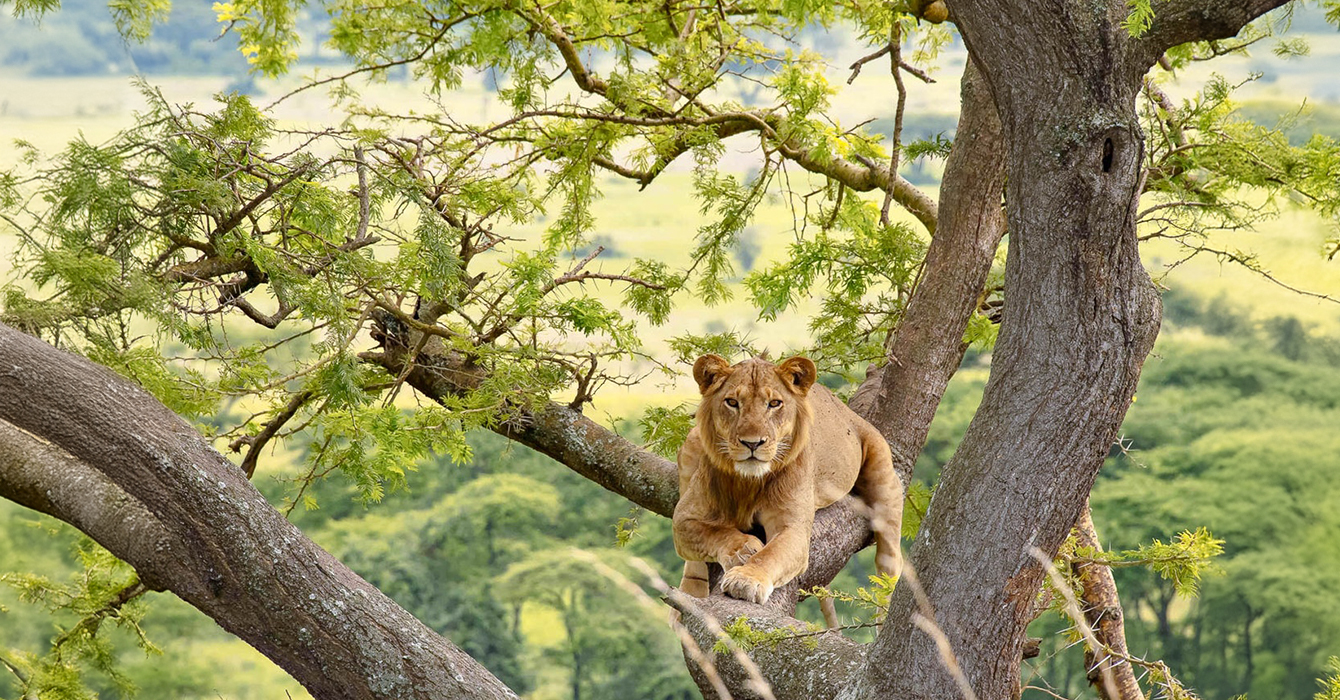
(754,463)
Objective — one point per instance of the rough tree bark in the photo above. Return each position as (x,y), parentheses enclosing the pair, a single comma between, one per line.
(1080,317)
(81,444)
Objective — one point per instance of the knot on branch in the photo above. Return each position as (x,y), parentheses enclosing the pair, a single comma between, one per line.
(388,331)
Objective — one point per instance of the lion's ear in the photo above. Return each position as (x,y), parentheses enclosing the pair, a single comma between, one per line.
(708,370)
(798,372)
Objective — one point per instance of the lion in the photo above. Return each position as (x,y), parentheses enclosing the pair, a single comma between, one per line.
(768,449)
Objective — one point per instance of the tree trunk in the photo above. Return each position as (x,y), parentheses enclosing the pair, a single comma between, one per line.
(1080,317)
(88,447)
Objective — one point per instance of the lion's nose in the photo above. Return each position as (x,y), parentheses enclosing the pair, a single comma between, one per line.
(753,445)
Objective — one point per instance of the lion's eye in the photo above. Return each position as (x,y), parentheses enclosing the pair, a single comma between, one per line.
(732,403)
(774,403)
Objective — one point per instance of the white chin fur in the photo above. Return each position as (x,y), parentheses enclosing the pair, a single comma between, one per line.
(753,468)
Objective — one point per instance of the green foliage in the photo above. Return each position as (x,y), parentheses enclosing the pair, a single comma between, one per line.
(1250,458)
(665,429)
(105,589)
(918,501)
(870,605)
(626,527)
(744,637)
(265,30)
(33,7)
(689,347)
(1212,171)
(868,276)
(135,19)
(1140,18)
(1182,561)
(936,146)
(1330,686)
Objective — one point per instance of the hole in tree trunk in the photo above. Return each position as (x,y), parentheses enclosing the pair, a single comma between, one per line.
(1107,156)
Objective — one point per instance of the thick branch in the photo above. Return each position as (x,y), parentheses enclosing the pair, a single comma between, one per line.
(900,398)
(1102,609)
(811,667)
(1181,21)
(558,431)
(90,448)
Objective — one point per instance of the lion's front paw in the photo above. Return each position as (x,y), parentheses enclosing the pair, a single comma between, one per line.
(739,552)
(746,583)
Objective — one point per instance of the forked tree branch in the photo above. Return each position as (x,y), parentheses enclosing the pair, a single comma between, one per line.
(90,448)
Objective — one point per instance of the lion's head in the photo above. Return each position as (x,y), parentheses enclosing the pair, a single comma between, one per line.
(754,416)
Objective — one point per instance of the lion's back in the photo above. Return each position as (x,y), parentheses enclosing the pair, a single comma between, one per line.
(838,440)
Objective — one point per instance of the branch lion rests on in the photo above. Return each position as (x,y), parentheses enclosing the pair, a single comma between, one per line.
(769,449)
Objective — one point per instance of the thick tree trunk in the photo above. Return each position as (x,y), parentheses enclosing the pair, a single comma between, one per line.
(813,667)
(88,447)
(1080,317)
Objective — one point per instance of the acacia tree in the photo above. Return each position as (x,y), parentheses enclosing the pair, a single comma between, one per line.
(191,251)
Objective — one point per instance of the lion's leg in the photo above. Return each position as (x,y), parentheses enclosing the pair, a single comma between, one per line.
(695,579)
(706,541)
(694,583)
(784,557)
(880,488)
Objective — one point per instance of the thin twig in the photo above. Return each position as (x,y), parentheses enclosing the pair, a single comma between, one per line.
(895,60)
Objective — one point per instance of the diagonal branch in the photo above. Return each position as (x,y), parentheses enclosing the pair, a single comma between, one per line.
(1182,21)
(900,398)
(1108,672)
(90,448)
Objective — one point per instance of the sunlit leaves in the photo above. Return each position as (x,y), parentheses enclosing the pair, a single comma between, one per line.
(1211,170)
(1330,686)
(1140,17)
(265,31)
(918,501)
(647,299)
(867,270)
(665,429)
(1181,561)
(374,446)
(104,590)
(135,19)
(730,345)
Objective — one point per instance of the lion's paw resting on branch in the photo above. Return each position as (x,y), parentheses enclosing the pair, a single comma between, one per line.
(768,449)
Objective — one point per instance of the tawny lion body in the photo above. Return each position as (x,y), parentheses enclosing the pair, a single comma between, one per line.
(769,448)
